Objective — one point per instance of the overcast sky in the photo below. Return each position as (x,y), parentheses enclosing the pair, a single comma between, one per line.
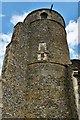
(13,12)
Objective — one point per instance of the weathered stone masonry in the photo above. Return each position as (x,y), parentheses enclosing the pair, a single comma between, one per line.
(37,82)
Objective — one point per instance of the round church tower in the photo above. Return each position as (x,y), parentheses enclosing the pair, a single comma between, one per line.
(41,55)
(47,37)
(48,56)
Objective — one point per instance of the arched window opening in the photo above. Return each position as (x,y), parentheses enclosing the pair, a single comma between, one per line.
(44,15)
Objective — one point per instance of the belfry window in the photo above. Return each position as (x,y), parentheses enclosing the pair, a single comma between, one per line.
(43,15)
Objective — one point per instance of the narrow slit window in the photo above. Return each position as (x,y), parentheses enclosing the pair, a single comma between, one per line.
(42,52)
(42,55)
